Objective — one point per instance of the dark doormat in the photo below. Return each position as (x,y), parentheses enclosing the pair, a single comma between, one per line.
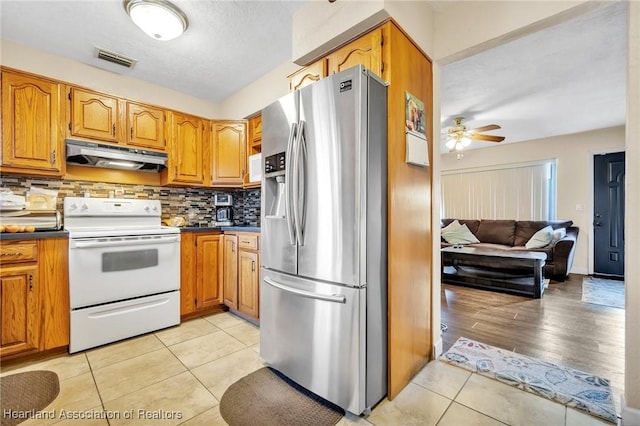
(24,394)
(266,397)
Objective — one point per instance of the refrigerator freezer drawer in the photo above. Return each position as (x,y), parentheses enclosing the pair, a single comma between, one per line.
(314,333)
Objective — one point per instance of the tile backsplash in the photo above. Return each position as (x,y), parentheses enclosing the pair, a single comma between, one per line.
(175,201)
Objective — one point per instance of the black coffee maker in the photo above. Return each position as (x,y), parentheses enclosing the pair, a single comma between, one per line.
(224,209)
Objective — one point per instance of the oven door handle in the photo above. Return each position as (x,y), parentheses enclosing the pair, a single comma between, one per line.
(123,243)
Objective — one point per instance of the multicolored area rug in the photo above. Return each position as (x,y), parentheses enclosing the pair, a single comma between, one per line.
(601,291)
(570,387)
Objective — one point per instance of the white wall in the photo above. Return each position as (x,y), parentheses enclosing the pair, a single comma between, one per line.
(258,94)
(631,404)
(46,64)
(574,157)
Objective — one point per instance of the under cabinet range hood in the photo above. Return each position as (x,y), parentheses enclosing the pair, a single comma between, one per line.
(84,153)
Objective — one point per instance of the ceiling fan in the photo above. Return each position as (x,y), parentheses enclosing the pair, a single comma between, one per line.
(459,136)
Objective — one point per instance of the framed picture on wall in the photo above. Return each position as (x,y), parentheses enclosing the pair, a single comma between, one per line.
(414,113)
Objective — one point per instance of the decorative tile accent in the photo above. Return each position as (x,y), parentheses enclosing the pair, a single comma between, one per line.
(175,201)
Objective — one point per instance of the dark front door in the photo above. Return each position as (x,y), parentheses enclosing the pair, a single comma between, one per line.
(608,210)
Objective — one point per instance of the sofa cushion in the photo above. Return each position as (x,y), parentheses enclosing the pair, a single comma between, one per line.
(497,231)
(459,235)
(526,228)
(540,239)
(548,250)
(472,224)
(450,227)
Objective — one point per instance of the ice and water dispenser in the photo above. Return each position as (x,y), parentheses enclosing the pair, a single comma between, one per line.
(274,173)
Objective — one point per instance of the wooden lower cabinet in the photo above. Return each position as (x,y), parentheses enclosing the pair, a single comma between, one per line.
(200,271)
(20,308)
(242,274)
(34,296)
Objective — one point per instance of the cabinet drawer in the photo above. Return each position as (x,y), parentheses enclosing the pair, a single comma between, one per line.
(20,252)
(248,241)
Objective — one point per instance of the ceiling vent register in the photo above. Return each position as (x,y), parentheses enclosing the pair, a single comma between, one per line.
(115,58)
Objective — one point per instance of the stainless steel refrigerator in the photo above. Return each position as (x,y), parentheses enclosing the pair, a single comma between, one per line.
(323,293)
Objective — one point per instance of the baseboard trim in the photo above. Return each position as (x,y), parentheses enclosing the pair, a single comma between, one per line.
(581,271)
(437,348)
(630,416)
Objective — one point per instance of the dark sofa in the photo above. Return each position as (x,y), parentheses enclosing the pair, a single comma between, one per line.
(513,235)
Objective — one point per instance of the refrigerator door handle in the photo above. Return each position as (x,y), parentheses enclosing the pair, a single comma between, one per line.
(326,297)
(298,182)
(288,177)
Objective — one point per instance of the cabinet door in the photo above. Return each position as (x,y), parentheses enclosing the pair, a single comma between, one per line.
(19,307)
(366,50)
(94,115)
(186,154)
(230,270)
(54,278)
(32,136)
(229,158)
(209,270)
(145,125)
(248,282)
(188,293)
(308,75)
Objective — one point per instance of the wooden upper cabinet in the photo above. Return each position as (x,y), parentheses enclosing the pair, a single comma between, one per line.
(185,164)
(145,126)
(228,140)
(307,75)
(32,132)
(94,115)
(366,50)
(255,126)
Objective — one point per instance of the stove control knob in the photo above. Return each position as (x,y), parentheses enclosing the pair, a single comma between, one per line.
(73,206)
(84,207)
(147,209)
(155,209)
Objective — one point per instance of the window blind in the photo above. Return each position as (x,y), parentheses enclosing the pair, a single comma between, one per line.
(519,192)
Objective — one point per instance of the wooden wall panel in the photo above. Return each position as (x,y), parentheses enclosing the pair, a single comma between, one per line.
(54,278)
(409,215)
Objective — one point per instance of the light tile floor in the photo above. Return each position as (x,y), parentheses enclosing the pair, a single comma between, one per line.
(182,372)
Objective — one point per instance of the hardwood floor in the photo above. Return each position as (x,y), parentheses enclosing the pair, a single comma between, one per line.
(558,327)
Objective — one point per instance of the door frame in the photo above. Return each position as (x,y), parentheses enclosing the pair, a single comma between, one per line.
(592,154)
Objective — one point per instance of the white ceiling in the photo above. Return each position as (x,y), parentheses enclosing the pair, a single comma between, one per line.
(228,43)
(565,79)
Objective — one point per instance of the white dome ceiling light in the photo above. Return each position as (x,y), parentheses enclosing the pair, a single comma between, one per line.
(159,19)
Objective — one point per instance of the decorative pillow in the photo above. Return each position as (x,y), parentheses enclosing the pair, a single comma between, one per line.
(460,235)
(541,238)
(558,234)
(450,227)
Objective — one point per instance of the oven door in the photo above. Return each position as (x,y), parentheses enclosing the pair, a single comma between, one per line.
(109,269)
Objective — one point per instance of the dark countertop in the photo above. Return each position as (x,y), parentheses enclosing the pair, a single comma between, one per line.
(219,228)
(7,236)
(241,228)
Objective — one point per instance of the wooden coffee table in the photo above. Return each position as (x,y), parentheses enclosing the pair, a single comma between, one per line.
(495,270)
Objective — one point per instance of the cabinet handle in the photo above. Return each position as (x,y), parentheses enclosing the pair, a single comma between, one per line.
(30,282)
(10,254)
(132,133)
(53,157)
(233,246)
(253,265)
(113,129)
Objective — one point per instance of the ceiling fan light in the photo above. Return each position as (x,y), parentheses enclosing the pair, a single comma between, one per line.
(465,141)
(459,146)
(159,19)
(451,143)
